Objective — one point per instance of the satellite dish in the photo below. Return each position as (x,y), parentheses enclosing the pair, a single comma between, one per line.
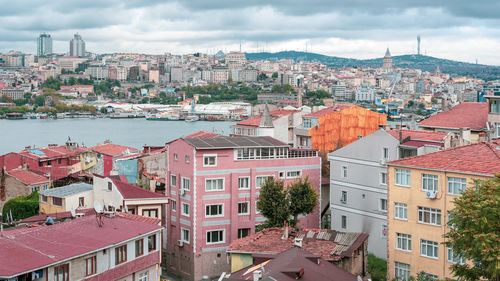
(73,213)
(97,207)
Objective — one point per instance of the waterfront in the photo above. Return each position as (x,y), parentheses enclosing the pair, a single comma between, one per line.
(16,134)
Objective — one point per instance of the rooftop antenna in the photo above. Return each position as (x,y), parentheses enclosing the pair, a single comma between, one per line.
(98,213)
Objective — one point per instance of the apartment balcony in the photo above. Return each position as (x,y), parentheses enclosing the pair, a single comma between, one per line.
(302,153)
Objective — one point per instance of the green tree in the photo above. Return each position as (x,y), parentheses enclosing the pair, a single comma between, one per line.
(273,203)
(475,231)
(377,268)
(275,75)
(303,198)
(262,76)
(21,207)
(5,98)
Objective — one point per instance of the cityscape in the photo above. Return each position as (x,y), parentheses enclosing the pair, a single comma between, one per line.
(249,152)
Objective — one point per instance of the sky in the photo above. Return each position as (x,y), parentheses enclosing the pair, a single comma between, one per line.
(463,30)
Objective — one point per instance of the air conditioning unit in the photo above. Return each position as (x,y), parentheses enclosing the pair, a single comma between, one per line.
(182,191)
(382,161)
(180,243)
(431,194)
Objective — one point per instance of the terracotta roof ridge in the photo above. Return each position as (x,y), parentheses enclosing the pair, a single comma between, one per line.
(493,149)
(427,154)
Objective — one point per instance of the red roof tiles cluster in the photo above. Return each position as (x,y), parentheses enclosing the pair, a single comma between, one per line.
(27,176)
(255,121)
(201,134)
(130,191)
(52,152)
(418,135)
(473,115)
(113,149)
(480,158)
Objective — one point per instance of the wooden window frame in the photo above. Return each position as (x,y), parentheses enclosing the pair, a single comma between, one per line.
(139,244)
(123,250)
(93,264)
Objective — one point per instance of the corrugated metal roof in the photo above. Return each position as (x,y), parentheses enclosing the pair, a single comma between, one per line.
(67,190)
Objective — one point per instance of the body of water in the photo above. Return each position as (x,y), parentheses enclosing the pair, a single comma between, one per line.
(16,134)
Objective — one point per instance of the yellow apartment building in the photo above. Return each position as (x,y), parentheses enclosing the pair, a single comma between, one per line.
(421,190)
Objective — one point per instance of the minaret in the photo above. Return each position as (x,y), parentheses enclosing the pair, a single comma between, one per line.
(266,127)
(387,60)
(418,44)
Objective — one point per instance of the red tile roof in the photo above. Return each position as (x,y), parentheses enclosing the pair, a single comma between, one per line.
(201,134)
(255,121)
(27,249)
(52,152)
(138,218)
(418,135)
(10,161)
(57,216)
(473,115)
(327,110)
(130,191)
(480,158)
(27,177)
(112,149)
(268,241)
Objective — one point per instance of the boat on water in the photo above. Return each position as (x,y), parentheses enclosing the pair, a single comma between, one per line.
(44,116)
(33,116)
(192,118)
(15,116)
(127,114)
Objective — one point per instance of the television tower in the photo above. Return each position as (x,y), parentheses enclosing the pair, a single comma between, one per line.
(418,44)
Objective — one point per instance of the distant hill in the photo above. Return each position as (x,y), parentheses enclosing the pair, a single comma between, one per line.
(425,63)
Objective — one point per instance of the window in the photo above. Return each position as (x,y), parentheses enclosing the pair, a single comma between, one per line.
(173,180)
(186,184)
(151,243)
(185,235)
(344,171)
(152,213)
(215,210)
(448,219)
(143,276)
(454,257)
(383,205)
(293,174)
(383,178)
(428,276)
(215,236)
(261,153)
(91,266)
(209,160)
(498,131)
(45,187)
(57,201)
(281,175)
(139,247)
(428,248)
(174,205)
(61,272)
(403,177)
(429,182)
(383,232)
(81,201)
(120,254)
(176,156)
(429,216)
(402,271)
(214,184)
(187,158)
(244,182)
(35,188)
(456,185)
(256,209)
(403,242)
(110,186)
(400,211)
(44,198)
(385,153)
(343,222)
(185,209)
(260,180)
(343,197)
(243,232)
(243,208)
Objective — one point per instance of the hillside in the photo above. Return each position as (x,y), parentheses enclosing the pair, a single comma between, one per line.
(425,63)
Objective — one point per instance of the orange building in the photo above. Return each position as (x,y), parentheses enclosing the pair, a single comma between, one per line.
(342,127)
(421,190)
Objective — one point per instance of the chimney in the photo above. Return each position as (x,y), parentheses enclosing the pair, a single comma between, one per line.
(285,234)
(257,275)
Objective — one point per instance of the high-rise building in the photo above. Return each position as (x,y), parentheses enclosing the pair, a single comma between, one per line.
(387,59)
(77,46)
(44,45)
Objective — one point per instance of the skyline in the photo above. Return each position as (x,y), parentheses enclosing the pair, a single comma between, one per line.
(455,30)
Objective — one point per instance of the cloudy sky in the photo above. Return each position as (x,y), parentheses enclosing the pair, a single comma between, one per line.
(462,30)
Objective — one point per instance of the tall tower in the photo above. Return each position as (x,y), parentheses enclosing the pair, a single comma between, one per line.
(77,46)
(44,45)
(418,44)
(387,60)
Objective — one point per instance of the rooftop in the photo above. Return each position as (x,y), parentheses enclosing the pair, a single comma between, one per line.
(481,158)
(201,134)
(328,110)
(329,244)
(28,249)
(418,135)
(67,190)
(113,149)
(292,263)
(225,142)
(130,191)
(473,115)
(27,176)
(52,152)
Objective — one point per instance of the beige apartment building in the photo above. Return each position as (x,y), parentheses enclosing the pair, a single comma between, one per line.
(421,191)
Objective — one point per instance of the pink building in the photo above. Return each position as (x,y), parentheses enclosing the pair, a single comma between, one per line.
(214,185)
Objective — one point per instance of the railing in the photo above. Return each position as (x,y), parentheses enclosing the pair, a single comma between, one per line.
(302,153)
